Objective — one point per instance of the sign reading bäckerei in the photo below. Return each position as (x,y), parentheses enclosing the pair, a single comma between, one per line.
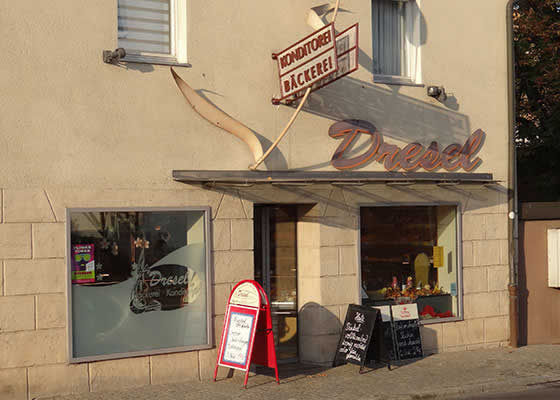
(346,56)
(307,61)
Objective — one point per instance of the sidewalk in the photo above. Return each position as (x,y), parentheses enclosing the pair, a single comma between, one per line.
(440,376)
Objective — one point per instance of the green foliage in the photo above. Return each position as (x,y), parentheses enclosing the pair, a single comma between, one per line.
(537,68)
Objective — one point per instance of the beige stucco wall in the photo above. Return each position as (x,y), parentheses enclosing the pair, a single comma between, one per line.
(68,119)
(76,132)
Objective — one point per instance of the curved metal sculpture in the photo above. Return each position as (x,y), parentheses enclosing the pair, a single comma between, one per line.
(219,118)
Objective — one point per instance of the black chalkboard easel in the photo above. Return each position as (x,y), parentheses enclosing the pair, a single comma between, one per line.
(406,327)
(388,334)
(362,339)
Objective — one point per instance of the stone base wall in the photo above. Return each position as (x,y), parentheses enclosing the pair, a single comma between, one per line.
(33,331)
(33,341)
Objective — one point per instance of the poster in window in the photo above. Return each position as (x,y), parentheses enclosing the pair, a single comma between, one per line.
(83,263)
(438,256)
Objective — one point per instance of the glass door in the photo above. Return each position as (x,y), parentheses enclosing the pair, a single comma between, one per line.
(276,270)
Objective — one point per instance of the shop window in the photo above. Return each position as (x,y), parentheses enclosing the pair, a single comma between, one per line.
(139,282)
(409,255)
(396,41)
(153,31)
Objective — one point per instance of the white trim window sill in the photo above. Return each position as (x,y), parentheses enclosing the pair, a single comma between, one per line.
(431,321)
(132,58)
(395,80)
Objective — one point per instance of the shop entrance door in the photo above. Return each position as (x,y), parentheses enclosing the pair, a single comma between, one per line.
(276,270)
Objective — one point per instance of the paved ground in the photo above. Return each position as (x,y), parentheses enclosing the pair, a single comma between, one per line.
(532,394)
(463,375)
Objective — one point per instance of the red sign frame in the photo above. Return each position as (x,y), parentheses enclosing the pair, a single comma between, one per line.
(250,300)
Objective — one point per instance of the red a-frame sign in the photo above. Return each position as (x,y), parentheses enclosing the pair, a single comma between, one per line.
(247,332)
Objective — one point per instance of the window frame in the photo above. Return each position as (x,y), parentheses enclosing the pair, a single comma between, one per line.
(72,359)
(178,40)
(459,244)
(405,80)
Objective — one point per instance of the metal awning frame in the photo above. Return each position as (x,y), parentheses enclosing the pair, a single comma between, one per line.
(341,178)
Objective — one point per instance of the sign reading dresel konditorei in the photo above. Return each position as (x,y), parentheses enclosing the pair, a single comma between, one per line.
(311,59)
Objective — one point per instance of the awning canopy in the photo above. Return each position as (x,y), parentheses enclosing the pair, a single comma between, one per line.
(327,177)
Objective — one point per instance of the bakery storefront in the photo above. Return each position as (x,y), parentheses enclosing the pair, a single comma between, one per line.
(326,239)
(289,147)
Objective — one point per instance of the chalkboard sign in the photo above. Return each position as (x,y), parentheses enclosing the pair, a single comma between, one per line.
(359,340)
(407,331)
(388,339)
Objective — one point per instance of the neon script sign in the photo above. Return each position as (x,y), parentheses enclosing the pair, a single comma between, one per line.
(410,157)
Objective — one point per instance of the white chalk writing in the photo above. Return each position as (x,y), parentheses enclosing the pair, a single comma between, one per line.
(238,337)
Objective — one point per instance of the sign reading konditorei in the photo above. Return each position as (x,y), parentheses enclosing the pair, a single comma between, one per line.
(411,157)
(346,55)
(307,61)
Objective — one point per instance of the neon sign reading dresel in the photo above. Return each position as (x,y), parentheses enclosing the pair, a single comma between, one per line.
(410,157)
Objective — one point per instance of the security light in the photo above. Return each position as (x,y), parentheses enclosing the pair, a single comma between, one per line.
(437,92)
(112,57)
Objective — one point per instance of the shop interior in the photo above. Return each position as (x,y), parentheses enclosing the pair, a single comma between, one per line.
(409,255)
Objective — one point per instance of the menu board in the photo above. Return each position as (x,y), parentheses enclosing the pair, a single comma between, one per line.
(407,331)
(238,337)
(356,335)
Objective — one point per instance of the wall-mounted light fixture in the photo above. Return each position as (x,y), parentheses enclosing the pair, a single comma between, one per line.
(437,92)
(113,57)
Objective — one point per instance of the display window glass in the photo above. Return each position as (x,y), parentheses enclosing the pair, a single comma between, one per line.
(138,282)
(409,255)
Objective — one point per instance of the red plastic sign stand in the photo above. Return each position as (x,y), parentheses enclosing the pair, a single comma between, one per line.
(247,336)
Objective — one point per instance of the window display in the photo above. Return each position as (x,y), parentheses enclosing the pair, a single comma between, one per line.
(139,282)
(409,255)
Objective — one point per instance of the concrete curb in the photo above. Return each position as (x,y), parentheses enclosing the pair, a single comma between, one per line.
(498,386)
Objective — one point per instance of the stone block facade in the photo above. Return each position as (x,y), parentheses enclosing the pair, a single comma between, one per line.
(33,327)
(33,305)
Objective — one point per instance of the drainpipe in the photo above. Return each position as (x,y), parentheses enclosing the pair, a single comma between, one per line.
(513,231)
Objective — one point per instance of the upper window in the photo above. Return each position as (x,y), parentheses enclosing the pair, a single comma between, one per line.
(396,41)
(153,31)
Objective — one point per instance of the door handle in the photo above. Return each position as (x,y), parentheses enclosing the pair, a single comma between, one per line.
(283,312)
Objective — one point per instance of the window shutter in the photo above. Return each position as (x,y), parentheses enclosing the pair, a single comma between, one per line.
(145,26)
